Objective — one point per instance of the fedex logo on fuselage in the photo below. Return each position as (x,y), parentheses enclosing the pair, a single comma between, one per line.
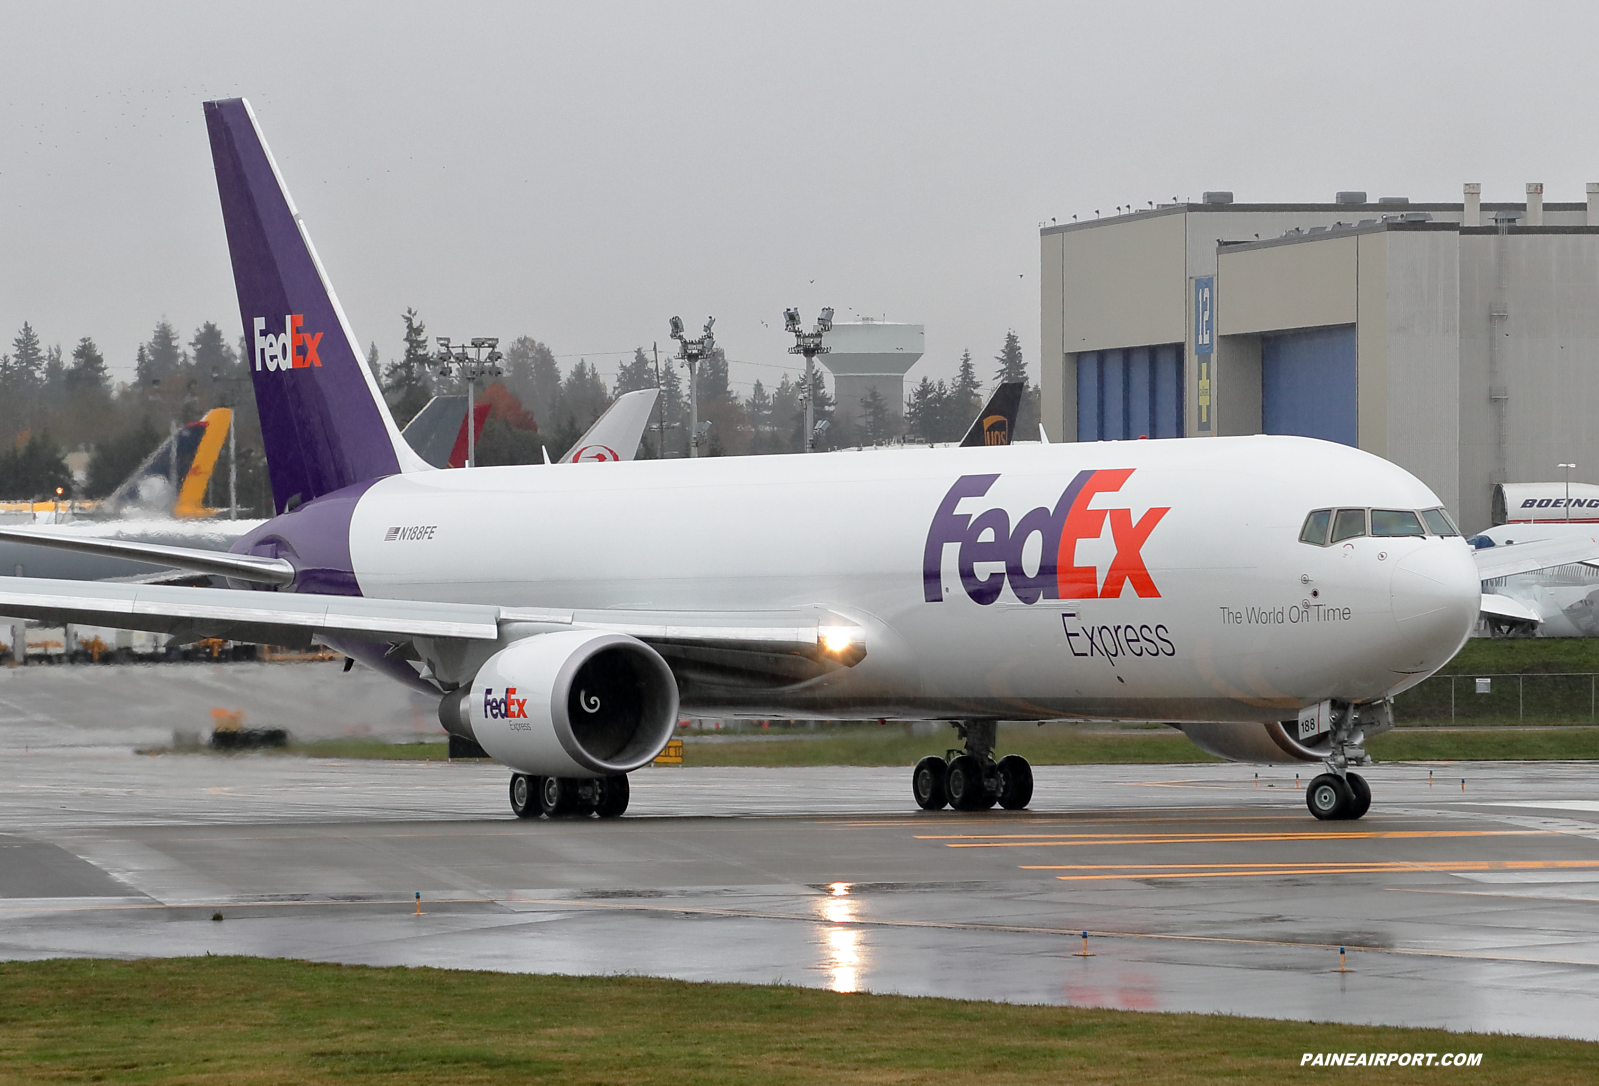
(989,537)
(291,349)
(505,707)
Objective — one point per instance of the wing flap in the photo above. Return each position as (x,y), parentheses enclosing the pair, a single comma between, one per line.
(1505,607)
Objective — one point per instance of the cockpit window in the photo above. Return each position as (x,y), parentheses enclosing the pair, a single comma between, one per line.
(1395,522)
(1315,529)
(1438,522)
(1348,524)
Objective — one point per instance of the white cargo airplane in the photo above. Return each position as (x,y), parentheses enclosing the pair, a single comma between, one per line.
(1268,595)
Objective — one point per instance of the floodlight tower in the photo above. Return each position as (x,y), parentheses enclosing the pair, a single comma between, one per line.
(689,352)
(810,345)
(469,362)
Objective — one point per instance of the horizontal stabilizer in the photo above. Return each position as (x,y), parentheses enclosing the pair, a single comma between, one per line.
(1505,607)
(243,567)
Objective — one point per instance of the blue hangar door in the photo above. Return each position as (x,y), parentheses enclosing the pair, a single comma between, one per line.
(1308,384)
(1130,393)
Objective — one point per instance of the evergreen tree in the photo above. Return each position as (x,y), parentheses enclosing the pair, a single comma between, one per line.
(713,382)
(636,374)
(408,383)
(759,412)
(583,398)
(1011,365)
(114,459)
(674,409)
(211,352)
(373,363)
(55,370)
(26,366)
(161,358)
(927,411)
(33,469)
(965,393)
(875,418)
(532,375)
(87,372)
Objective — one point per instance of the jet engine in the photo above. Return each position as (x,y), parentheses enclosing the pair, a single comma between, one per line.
(1264,744)
(1306,739)
(571,704)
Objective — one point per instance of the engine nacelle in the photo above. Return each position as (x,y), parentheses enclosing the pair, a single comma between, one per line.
(572,704)
(1308,739)
(1263,744)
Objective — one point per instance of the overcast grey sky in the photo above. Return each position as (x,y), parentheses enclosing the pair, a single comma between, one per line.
(580,172)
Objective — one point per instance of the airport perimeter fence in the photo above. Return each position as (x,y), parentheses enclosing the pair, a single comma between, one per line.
(1571,698)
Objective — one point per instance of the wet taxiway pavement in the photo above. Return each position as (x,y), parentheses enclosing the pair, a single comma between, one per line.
(1200,889)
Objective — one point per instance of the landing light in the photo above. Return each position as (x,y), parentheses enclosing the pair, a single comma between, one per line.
(836,638)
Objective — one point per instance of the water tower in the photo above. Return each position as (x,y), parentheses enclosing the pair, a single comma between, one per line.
(871,354)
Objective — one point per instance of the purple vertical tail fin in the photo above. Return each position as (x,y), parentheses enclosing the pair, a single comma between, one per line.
(323,419)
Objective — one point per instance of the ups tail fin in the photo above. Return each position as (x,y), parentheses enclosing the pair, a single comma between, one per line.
(323,420)
(996,422)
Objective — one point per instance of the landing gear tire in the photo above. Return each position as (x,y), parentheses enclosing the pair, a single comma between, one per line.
(557,796)
(964,783)
(1329,798)
(1362,794)
(1015,782)
(614,793)
(524,795)
(928,783)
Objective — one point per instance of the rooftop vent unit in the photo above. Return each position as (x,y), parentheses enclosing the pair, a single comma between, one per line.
(1505,216)
(1218,197)
(1416,216)
(1393,199)
(1351,197)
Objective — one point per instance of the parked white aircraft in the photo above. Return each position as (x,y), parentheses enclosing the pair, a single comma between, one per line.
(1268,594)
(1540,579)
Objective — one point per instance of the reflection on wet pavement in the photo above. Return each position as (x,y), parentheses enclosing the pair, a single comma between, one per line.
(1199,891)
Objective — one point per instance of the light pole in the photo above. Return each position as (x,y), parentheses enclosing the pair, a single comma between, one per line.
(233,446)
(689,352)
(469,362)
(1567,469)
(810,345)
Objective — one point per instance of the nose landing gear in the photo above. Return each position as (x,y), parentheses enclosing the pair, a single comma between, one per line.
(1341,793)
(972,780)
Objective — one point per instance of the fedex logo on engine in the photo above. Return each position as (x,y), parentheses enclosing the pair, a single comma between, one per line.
(505,707)
(989,537)
(291,349)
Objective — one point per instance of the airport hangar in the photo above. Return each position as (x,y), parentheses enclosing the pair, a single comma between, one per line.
(1460,341)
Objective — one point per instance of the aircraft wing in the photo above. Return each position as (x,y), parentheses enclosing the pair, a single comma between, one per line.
(275,618)
(1509,559)
(1505,607)
(768,646)
(615,435)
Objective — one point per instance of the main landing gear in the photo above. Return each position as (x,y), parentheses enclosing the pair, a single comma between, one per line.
(1341,793)
(556,797)
(972,780)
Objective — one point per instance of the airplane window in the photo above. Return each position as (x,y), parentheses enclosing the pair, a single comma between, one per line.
(1395,522)
(1315,529)
(1348,524)
(1438,522)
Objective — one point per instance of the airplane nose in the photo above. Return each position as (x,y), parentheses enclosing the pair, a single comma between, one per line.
(1436,597)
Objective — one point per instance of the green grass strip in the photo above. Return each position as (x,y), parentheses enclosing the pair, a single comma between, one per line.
(251,1021)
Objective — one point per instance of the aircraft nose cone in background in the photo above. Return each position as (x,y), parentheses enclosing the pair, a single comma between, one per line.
(1436,597)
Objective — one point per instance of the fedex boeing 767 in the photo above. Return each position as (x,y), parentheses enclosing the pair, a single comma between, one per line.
(1268,595)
